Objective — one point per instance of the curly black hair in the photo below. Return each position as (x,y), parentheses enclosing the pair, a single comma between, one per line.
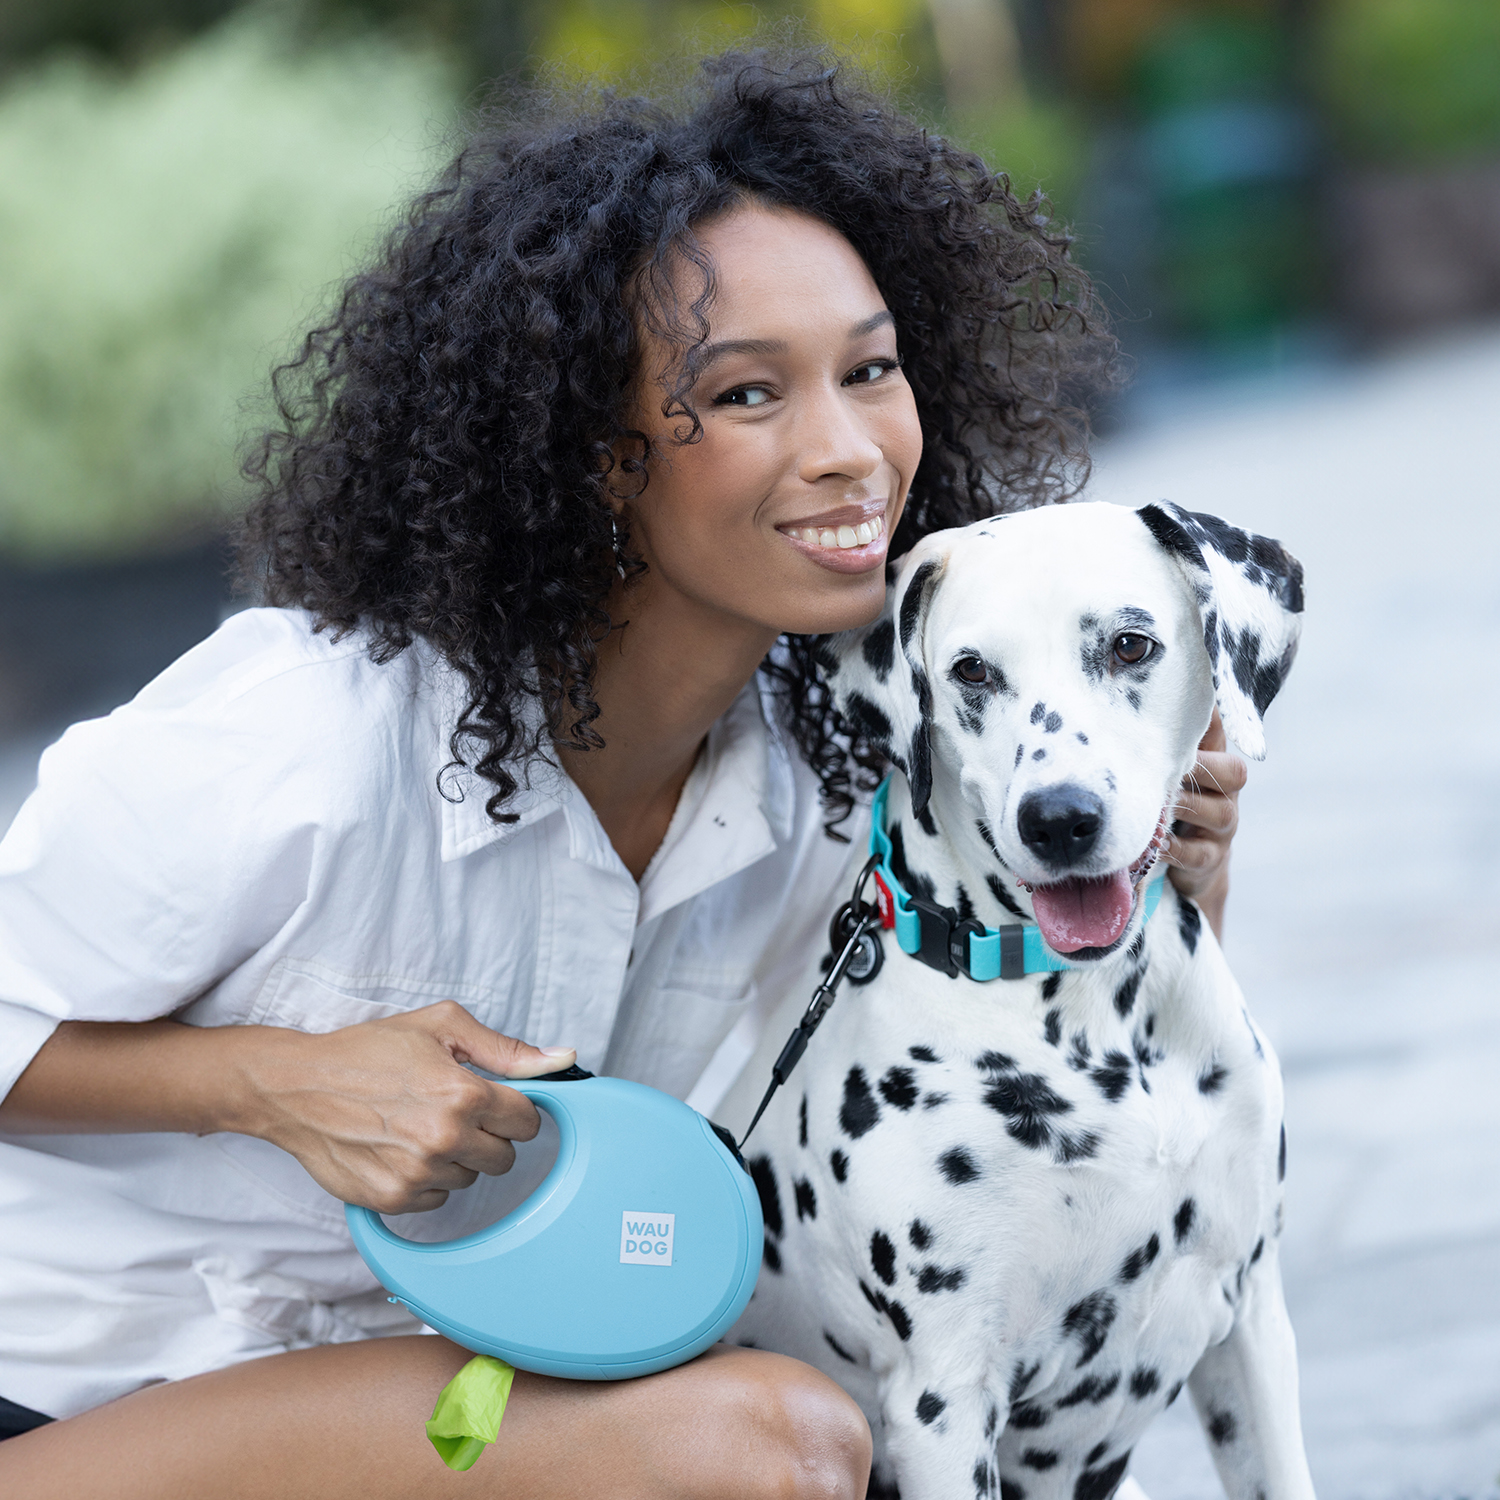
(447,438)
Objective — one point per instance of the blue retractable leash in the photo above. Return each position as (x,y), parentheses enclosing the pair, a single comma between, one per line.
(641,1246)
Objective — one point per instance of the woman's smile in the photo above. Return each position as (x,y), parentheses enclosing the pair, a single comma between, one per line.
(852,539)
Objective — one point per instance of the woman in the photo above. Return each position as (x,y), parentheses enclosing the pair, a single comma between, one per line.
(533,743)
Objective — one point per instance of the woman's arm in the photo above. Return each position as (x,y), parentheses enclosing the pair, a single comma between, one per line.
(1208,813)
(383,1114)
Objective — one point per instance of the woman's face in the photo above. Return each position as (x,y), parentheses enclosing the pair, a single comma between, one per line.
(780,516)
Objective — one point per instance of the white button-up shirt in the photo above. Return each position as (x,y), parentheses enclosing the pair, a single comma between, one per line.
(267,836)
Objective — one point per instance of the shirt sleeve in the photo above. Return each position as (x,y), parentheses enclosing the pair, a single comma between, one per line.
(163,846)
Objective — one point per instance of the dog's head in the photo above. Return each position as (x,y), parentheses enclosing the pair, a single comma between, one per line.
(1048,675)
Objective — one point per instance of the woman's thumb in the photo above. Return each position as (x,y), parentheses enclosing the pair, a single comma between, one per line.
(505,1056)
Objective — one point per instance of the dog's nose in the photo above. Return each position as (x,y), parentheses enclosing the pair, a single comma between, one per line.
(1060,824)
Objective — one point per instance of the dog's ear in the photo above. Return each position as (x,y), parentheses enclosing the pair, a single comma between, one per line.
(1249,591)
(879,678)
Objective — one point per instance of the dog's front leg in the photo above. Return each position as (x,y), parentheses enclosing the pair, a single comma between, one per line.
(1245,1391)
(939,1436)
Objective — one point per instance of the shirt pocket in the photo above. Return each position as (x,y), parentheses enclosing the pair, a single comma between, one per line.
(310,996)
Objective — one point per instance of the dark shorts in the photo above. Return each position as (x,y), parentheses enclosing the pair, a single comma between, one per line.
(14,1420)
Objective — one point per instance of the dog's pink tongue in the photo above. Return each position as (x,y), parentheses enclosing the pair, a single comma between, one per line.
(1078,914)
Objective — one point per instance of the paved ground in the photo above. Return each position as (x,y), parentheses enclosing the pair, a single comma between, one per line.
(1365,924)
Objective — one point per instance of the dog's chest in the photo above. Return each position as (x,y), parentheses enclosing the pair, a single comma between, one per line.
(1068,1181)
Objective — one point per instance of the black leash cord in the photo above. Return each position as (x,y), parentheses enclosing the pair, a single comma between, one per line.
(866,918)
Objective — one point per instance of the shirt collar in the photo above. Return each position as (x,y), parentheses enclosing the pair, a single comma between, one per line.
(747,803)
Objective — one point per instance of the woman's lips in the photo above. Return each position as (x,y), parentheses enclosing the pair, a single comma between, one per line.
(845,548)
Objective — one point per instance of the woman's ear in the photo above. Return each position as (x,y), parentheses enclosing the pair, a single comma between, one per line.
(1249,592)
(879,676)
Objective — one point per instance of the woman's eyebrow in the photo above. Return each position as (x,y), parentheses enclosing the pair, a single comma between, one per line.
(708,353)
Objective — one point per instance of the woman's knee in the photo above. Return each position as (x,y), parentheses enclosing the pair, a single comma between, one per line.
(800,1436)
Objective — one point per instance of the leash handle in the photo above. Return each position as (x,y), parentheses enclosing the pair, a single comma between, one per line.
(820,1004)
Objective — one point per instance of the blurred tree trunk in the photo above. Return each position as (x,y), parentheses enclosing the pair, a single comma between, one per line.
(981,55)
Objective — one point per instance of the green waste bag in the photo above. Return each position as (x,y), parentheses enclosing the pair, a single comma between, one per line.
(467,1415)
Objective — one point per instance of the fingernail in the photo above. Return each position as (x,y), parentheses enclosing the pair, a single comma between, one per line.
(556,1051)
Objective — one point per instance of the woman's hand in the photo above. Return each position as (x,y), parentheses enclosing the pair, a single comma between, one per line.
(1207,814)
(384,1114)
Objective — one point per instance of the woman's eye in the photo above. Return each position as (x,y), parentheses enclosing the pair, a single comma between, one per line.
(970,669)
(1132,650)
(871,371)
(744,395)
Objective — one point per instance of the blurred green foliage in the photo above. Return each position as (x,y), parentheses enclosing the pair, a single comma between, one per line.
(163,233)
(1411,82)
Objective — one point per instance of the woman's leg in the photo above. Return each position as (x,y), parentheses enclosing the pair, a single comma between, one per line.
(347,1421)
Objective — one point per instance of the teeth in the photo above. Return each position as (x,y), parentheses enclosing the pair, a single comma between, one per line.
(841,537)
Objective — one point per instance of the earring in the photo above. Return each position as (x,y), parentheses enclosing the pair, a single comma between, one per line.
(614,536)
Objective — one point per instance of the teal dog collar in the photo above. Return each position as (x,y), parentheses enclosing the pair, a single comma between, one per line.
(936,935)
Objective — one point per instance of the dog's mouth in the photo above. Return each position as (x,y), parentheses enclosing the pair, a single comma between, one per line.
(1092,912)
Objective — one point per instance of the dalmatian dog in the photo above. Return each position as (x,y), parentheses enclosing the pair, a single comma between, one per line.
(1014,1218)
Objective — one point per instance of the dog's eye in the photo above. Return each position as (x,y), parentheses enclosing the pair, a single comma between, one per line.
(1132,650)
(970,669)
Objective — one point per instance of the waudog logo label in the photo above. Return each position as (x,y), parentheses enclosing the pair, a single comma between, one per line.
(646,1239)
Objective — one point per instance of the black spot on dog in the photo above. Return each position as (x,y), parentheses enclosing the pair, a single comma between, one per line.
(935,1279)
(1281,1157)
(1038,755)
(1212,1081)
(990,1061)
(930,1406)
(1051,985)
(1189,923)
(1113,1075)
(1038,713)
(807,1200)
(883,1257)
(1039,1458)
(1025,1099)
(838,1348)
(917,884)
(840,1164)
(991,1421)
(771,1255)
(1221,1427)
(962,904)
(924,821)
(919,1235)
(1003,896)
(1133,697)
(1052,1027)
(1092,1389)
(867,718)
(1095,1454)
(879,649)
(1089,1321)
(1174,1393)
(1081,737)
(1100,1484)
(1260,1249)
(1071,1148)
(802,1122)
(1052,723)
(1137,947)
(1139,1259)
(899,1088)
(1151,1024)
(1182,1220)
(763,1175)
(922,1054)
(1010,1490)
(1021,1377)
(958,1166)
(1080,1054)
(859,1111)
(931,1101)
(1143,1382)
(1027,1416)
(911,601)
(1125,995)
(1020,751)
(890,1309)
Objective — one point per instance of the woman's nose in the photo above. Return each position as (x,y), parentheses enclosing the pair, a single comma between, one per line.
(836,440)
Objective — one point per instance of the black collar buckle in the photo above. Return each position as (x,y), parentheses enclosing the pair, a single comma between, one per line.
(943,939)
